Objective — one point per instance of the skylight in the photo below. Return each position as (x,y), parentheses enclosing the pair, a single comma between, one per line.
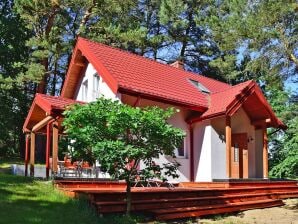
(200,86)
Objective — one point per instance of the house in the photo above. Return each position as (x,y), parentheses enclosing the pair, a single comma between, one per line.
(225,126)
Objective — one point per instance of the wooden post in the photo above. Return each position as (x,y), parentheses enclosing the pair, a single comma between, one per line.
(27,154)
(191,156)
(55,148)
(32,154)
(265,153)
(48,146)
(228,146)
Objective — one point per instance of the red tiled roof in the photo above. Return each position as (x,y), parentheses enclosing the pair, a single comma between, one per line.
(46,105)
(125,72)
(142,75)
(50,103)
(220,101)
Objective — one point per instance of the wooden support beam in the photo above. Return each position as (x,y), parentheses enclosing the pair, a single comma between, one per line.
(27,154)
(55,148)
(32,154)
(42,123)
(265,153)
(228,138)
(48,147)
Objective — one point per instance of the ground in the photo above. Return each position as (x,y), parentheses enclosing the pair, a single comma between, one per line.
(287,214)
(28,201)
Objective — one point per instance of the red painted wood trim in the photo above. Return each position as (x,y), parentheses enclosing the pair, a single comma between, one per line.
(191,154)
(32,154)
(25,128)
(48,149)
(67,77)
(265,153)
(228,146)
(27,155)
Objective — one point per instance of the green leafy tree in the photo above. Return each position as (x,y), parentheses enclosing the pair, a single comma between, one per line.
(187,39)
(256,39)
(120,137)
(14,98)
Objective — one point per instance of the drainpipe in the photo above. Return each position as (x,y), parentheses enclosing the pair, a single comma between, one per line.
(191,154)
(137,101)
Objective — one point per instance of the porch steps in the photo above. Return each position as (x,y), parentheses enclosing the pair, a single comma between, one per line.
(151,204)
(186,212)
(182,202)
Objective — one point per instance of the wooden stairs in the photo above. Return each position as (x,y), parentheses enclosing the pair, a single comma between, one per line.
(186,200)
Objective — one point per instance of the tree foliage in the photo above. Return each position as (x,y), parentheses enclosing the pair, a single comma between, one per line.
(14,98)
(121,137)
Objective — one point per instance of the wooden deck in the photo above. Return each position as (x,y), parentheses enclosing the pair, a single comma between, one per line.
(186,200)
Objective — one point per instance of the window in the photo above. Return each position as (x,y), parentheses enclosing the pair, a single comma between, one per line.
(85,90)
(236,153)
(199,86)
(180,151)
(96,81)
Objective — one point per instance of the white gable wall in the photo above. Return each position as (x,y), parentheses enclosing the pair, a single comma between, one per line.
(92,94)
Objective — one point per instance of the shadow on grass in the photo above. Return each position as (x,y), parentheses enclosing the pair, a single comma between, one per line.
(24,200)
(29,201)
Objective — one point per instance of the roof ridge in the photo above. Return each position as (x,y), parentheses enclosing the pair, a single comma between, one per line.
(152,60)
(237,85)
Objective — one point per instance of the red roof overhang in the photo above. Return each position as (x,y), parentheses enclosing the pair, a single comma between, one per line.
(77,67)
(43,106)
(251,99)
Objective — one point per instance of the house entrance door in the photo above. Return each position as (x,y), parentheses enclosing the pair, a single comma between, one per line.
(239,156)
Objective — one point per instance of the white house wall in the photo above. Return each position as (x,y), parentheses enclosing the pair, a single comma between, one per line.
(177,120)
(218,153)
(92,94)
(202,151)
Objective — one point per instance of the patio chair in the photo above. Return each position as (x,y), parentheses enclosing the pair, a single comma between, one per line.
(70,169)
(86,167)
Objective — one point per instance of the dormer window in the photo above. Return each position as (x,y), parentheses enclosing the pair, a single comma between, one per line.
(200,86)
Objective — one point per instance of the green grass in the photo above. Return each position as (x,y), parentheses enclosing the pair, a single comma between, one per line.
(26,201)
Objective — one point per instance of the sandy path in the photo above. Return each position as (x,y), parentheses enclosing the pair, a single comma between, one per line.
(287,214)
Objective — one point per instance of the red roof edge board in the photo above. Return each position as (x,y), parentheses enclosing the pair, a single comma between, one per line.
(240,98)
(42,103)
(71,64)
(233,107)
(106,76)
(28,116)
(160,99)
(259,93)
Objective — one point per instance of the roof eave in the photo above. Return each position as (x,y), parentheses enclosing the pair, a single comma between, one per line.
(174,102)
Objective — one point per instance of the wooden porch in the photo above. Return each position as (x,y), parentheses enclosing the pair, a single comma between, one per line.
(191,199)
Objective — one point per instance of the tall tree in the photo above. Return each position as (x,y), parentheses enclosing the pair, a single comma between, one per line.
(256,39)
(14,98)
(188,40)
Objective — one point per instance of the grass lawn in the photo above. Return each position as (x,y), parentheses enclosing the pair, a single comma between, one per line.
(24,200)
